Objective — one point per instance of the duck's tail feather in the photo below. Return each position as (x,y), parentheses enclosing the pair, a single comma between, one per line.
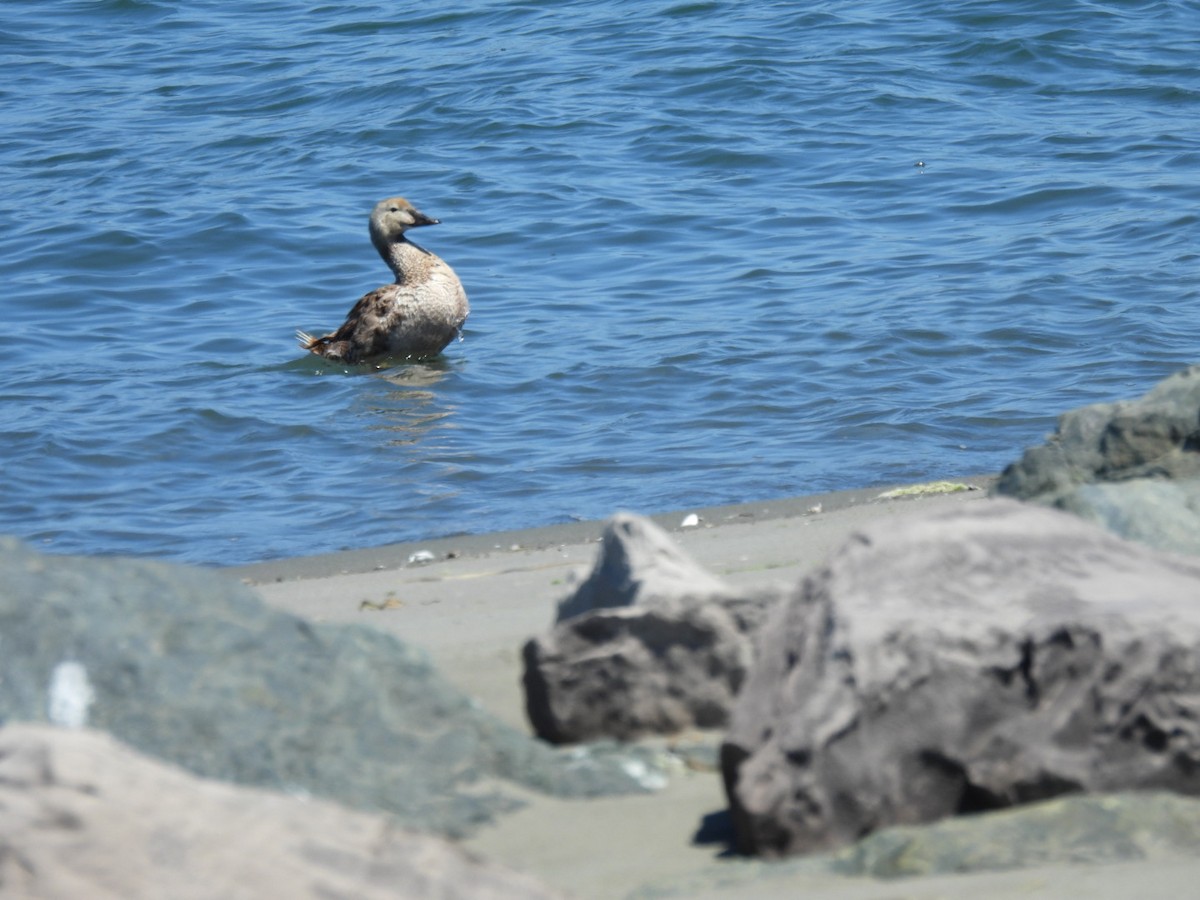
(307,341)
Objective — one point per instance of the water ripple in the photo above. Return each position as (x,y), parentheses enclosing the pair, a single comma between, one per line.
(703,265)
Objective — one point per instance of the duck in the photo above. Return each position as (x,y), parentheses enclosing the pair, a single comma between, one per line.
(415,316)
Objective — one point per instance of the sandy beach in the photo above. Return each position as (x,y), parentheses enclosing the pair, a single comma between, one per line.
(472,601)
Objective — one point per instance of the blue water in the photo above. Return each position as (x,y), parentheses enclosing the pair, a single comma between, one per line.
(703,263)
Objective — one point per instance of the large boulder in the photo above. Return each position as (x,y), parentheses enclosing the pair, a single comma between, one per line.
(82,815)
(190,666)
(650,643)
(970,659)
(1132,466)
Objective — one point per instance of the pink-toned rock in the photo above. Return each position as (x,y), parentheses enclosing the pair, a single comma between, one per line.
(83,816)
(961,661)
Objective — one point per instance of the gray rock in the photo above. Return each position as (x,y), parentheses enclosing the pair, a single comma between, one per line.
(980,657)
(1069,833)
(191,667)
(639,564)
(650,643)
(1161,514)
(631,672)
(1078,830)
(82,815)
(1146,455)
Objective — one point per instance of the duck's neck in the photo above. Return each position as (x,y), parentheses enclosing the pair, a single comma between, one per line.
(404,258)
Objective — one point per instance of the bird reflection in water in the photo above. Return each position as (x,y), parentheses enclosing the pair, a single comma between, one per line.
(412,408)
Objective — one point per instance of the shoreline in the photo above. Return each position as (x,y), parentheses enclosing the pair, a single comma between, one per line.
(477,599)
(469,604)
(398,555)
(472,602)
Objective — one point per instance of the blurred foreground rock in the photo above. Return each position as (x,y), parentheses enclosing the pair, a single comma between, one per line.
(650,643)
(1132,466)
(1135,844)
(189,666)
(972,659)
(82,815)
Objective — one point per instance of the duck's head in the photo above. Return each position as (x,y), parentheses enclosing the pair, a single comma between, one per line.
(392,217)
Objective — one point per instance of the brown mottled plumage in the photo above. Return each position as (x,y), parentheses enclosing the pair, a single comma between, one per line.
(417,315)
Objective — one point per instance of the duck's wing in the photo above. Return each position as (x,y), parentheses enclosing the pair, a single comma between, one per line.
(364,334)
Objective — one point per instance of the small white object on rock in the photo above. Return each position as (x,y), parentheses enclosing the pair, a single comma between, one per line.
(691,520)
(70,695)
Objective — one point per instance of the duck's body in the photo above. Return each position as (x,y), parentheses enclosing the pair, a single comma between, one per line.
(417,315)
